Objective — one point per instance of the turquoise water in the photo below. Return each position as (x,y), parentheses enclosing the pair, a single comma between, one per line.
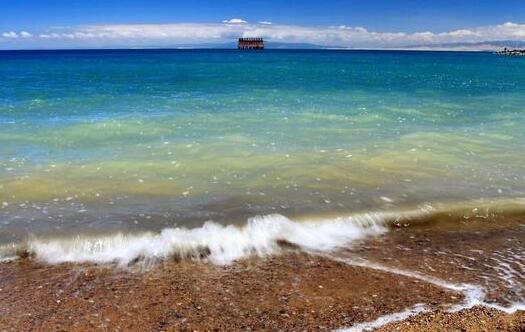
(121,140)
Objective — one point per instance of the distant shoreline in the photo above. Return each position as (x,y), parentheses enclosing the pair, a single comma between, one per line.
(244,51)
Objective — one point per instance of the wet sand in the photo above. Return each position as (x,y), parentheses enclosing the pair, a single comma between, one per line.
(475,319)
(292,292)
(486,255)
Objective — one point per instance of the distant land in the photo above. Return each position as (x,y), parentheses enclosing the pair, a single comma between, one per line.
(491,46)
(268,45)
(494,45)
(484,46)
(477,46)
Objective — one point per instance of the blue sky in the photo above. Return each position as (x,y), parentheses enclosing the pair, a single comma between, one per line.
(22,23)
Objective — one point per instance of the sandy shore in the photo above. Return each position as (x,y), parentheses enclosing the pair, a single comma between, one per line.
(475,319)
(293,292)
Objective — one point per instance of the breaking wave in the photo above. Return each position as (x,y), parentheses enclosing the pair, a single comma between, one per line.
(260,236)
(213,242)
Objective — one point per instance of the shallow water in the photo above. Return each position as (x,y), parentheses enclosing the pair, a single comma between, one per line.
(143,140)
(407,162)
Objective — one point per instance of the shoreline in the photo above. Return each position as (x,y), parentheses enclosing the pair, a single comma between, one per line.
(294,291)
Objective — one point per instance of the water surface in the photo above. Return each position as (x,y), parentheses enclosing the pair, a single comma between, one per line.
(106,141)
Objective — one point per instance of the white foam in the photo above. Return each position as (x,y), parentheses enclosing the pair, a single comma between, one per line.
(419,309)
(217,243)
(475,291)
(7,259)
(387,319)
(473,295)
(518,306)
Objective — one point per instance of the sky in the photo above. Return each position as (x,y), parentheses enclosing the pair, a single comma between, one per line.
(333,23)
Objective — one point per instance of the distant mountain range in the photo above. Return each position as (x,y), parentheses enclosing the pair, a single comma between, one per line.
(494,45)
(268,45)
(475,46)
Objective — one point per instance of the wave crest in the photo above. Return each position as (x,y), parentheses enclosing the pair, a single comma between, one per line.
(261,235)
(213,242)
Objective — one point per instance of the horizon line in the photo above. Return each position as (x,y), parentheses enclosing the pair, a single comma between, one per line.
(255,51)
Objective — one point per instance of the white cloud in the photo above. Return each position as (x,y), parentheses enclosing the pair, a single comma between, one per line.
(235,21)
(25,34)
(329,36)
(194,33)
(265,22)
(10,34)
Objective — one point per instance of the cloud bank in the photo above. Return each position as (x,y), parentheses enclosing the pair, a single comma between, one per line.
(164,35)
(14,35)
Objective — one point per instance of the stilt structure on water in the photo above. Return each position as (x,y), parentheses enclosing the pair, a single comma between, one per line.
(250,44)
